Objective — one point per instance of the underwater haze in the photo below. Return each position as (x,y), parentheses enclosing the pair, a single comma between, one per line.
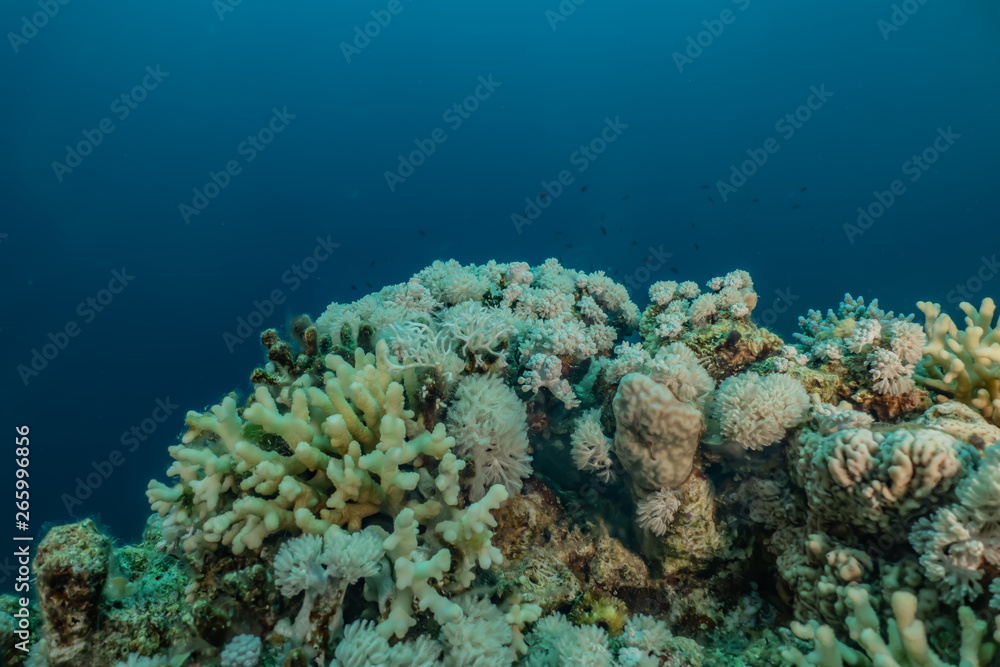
(179,177)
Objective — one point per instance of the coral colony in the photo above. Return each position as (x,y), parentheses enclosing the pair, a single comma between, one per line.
(480,468)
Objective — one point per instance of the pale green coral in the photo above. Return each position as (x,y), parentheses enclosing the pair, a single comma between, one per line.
(353,445)
(867,478)
(906,644)
(964,364)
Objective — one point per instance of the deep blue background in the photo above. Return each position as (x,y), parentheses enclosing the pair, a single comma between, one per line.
(324,175)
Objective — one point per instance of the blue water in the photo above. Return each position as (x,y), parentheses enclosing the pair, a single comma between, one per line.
(555,82)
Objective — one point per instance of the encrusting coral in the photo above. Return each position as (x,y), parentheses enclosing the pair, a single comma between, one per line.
(484,466)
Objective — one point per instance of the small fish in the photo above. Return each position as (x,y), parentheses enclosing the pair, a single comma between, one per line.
(796,206)
(673,269)
(583,189)
(634,242)
(696,247)
(755,201)
(604,231)
(710,199)
(421,232)
(615,273)
(559,232)
(649,259)
(543,195)
(624,197)
(822,240)
(705,187)
(373,263)
(354,287)
(602,215)
(367,284)
(569,245)
(803,189)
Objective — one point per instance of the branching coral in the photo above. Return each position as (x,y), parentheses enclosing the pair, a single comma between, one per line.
(889,345)
(907,644)
(545,371)
(679,307)
(964,365)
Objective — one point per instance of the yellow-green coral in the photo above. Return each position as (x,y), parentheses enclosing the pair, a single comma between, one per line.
(605,610)
(964,364)
(355,451)
(907,644)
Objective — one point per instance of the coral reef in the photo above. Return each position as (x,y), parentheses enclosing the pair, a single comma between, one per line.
(964,365)
(485,466)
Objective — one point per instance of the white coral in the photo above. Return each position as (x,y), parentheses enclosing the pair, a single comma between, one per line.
(678,368)
(299,568)
(756,411)
(656,511)
(953,550)
(663,292)
(546,371)
(907,340)
(703,308)
(689,289)
(866,332)
(242,651)
(591,449)
(362,646)
(489,423)
(891,376)
(669,325)
(478,331)
(629,358)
